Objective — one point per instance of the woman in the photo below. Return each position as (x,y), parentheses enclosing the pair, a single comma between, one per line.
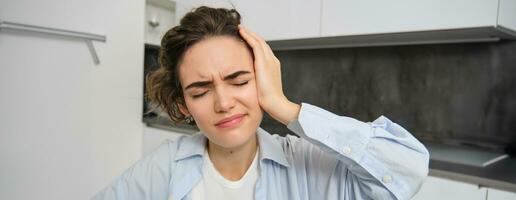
(220,76)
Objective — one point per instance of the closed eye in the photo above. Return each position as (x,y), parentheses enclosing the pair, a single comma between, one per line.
(199,95)
(195,96)
(242,83)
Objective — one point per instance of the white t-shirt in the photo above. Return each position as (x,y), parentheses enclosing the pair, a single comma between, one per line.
(214,186)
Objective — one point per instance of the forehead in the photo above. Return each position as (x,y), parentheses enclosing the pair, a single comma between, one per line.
(214,57)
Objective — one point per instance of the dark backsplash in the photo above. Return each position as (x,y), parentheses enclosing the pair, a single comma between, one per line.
(458,93)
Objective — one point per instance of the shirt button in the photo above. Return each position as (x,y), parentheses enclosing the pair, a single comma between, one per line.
(346,150)
(387,179)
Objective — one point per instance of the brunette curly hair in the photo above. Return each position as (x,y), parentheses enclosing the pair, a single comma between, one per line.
(163,85)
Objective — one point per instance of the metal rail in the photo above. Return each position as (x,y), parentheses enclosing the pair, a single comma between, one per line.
(88,37)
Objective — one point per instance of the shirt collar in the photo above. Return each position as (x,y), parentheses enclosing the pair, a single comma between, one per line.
(270,148)
(191,146)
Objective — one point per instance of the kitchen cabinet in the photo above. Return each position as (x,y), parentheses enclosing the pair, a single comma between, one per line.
(276,20)
(309,24)
(273,20)
(354,23)
(494,194)
(352,17)
(159,18)
(69,127)
(507,15)
(444,189)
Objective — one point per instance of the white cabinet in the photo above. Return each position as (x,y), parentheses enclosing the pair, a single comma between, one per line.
(286,19)
(356,23)
(273,20)
(443,189)
(494,194)
(304,24)
(69,127)
(353,17)
(159,18)
(507,14)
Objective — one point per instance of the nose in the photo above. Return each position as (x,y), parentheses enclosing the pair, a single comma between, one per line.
(224,101)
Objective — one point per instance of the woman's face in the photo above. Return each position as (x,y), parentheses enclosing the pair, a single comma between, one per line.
(218,80)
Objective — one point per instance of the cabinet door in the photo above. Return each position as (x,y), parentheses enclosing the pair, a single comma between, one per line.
(444,189)
(271,19)
(507,14)
(286,19)
(164,16)
(494,194)
(357,17)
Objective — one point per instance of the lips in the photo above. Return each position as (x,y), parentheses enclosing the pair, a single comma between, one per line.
(230,121)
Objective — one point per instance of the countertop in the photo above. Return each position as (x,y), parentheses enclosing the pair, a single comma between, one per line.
(500,175)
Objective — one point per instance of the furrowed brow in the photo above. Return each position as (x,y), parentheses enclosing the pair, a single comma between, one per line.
(235,74)
(198,84)
(205,83)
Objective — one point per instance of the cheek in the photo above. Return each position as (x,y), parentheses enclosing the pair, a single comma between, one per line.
(249,99)
(197,109)
(249,96)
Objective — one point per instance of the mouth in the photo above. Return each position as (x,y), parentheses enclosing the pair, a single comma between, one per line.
(230,121)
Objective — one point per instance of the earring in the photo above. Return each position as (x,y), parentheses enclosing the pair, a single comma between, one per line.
(189,119)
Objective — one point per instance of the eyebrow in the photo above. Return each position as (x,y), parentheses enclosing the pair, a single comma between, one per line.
(228,77)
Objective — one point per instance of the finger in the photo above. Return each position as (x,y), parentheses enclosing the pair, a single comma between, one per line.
(253,42)
(265,47)
(246,34)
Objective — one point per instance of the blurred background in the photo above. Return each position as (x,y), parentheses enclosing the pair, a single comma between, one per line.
(73,116)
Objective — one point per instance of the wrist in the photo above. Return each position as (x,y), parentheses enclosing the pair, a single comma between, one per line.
(284,111)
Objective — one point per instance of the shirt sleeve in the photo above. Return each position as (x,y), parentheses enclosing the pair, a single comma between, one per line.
(146,179)
(383,160)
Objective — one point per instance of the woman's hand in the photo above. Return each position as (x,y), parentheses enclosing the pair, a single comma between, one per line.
(267,70)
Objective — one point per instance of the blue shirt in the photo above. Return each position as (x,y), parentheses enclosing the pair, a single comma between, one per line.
(335,158)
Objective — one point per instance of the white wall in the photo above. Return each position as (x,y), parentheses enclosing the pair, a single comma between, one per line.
(153,137)
(68,127)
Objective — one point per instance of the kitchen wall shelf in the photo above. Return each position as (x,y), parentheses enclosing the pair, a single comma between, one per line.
(466,35)
(87,37)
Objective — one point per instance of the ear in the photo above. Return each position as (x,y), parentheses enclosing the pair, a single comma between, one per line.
(183,109)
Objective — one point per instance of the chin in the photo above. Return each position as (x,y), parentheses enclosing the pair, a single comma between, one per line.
(237,136)
(232,138)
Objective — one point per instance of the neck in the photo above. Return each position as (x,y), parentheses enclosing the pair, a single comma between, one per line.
(232,163)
